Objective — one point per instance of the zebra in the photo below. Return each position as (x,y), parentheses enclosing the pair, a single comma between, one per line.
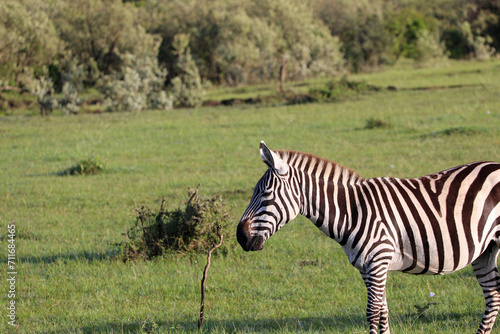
(435,224)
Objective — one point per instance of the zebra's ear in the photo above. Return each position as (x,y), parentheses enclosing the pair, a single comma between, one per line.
(272,160)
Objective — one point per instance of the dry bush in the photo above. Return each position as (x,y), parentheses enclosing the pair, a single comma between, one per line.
(189,228)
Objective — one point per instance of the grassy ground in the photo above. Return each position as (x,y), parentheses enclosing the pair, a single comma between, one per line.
(69,281)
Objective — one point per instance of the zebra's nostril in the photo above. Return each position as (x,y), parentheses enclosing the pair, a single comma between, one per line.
(248,242)
(242,234)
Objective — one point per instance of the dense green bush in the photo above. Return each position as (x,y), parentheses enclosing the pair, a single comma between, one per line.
(234,42)
(378,32)
(303,40)
(428,46)
(99,33)
(191,228)
(187,90)
(462,43)
(43,89)
(70,102)
(362,28)
(139,85)
(28,40)
(66,68)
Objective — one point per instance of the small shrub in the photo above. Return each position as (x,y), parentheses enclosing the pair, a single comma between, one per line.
(70,103)
(43,89)
(187,89)
(192,228)
(482,48)
(139,86)
(161,101)
(462,43)
(428,46)
(375,123)
(85,167)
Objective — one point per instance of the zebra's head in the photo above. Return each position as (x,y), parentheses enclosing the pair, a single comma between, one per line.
(275,202)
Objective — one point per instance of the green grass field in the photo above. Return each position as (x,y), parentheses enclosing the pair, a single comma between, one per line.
(69,280)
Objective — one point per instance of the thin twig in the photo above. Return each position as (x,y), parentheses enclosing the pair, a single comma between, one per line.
(162,203)
(141,218)
(204,279)
(17,89)
(194,194)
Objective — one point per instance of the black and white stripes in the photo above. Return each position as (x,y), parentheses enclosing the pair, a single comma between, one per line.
(435,224)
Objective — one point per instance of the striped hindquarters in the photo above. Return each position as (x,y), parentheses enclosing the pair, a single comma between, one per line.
(437,223)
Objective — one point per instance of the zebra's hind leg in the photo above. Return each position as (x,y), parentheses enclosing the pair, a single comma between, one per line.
(485,268)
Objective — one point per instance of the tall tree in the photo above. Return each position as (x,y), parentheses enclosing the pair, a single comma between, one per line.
(28,39)
(99,32)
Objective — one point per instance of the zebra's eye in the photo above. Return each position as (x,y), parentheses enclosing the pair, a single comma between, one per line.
(267,193)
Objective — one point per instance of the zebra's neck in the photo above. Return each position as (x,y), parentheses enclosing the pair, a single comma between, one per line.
(324,187)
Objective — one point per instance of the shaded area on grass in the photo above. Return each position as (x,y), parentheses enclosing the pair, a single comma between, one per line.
(454,131)
(84,256)
(307,324)
(336,324)
(333,91)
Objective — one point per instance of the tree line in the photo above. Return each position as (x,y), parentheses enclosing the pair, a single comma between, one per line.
(162,53)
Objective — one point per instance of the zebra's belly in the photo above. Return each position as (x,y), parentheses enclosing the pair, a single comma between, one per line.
(429,264)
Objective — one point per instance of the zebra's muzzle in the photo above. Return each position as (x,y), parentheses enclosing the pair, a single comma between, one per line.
(246,240)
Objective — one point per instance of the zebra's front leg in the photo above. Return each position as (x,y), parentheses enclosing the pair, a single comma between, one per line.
(384,317)
(485,268)
(377,312)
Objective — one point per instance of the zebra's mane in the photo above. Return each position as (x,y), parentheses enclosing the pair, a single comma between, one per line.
(312,164)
